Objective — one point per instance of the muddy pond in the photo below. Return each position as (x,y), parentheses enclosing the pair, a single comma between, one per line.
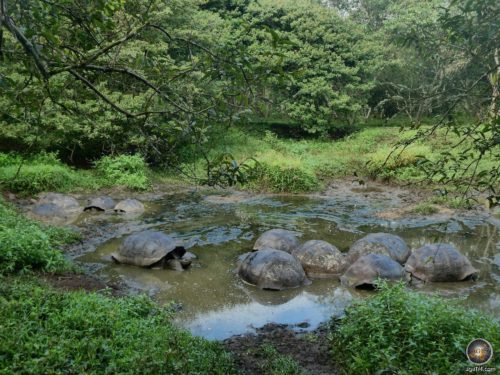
(214,303)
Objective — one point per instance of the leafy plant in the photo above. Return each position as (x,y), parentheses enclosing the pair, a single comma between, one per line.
(225,171)
(26,245)
(48,332)
(40,172)
(404,332)
(127,170)
(283,179)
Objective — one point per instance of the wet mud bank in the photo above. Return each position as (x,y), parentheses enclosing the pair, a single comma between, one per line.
(310,350)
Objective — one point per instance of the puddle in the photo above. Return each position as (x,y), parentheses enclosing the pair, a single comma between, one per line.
(216,304)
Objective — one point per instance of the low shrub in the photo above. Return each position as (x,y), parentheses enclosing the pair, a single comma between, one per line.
(43,331)
(404,332)
(43,172)
(126,170)
(282,179)
(26,245)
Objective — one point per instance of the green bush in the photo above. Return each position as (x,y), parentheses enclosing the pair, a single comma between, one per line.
(403,332)
(43,331)
(127,170)
(9,159)
(26,245)
(283,179)
(42,172)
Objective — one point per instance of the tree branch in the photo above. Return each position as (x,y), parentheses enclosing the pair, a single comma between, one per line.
(21,38)
(87,83)
(138,77)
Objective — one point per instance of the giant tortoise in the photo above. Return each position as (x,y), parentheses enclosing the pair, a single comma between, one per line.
(368,268)
(55,208)
(103,203)
(152,249)
(379,243)
(320,259)
(440,262)
(65,202)
(272,269)
(279,239)
(129,206)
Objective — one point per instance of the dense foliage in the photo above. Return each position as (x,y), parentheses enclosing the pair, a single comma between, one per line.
(404,332)
(26,245)
(45,172)
(124,170)
(165,79)
(43,331)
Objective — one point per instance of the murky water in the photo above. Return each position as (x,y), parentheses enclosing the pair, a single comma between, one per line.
(216,304)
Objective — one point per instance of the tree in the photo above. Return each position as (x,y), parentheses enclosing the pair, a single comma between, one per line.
(87,77)
(315,65)
(469,38)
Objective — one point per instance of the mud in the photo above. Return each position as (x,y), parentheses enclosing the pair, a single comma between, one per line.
(310,350)
(88,283)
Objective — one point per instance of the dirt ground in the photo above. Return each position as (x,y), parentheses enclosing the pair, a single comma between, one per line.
(73,281)
(310,350)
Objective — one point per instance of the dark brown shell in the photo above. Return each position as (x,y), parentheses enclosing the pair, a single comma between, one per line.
(379,243)
(439,262)
(279,239)
(103,203)
(146,248)
(65,202)
(320,259)
(272,269)
(368,268)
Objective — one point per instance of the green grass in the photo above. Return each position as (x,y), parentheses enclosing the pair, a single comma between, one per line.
(45,172)
(283,165)
(26,245)
(404,332)
(425,208)
(300,165)
(276,363)
(43,331)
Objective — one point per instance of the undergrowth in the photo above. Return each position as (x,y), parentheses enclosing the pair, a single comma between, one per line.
(300,165)
(404,332)
(43,331)
(45,172)
(124,170)
(26,245)
(42,172)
